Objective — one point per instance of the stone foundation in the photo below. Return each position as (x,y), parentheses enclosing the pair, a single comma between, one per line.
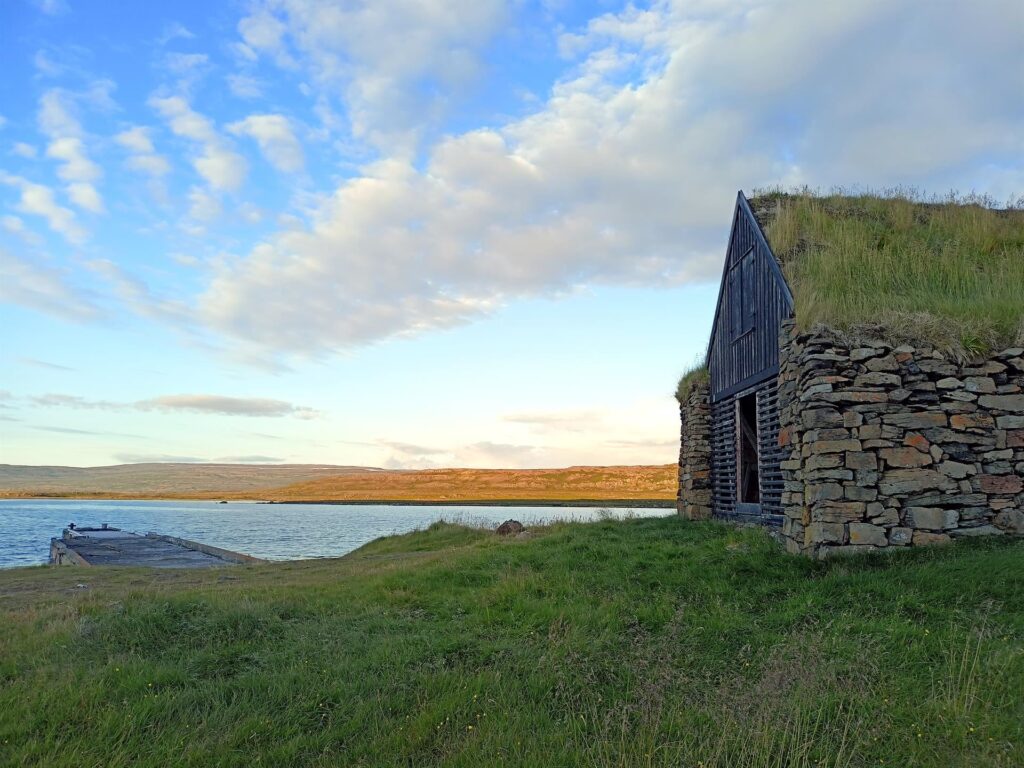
(896,446)
(694,499)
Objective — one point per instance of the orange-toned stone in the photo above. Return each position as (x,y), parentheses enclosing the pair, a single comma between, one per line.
(786,436)
(962,421)
(905,457)
(1001,483)
(919,441)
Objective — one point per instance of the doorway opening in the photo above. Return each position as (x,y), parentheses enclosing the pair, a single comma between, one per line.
(748,482)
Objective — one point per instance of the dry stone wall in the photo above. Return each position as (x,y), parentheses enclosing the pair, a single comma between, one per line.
(897,446)
(694,499)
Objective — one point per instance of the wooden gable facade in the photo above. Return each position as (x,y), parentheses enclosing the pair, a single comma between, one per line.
(743,363)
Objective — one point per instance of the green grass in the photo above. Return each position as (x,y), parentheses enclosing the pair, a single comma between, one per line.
(696,374)
(947,272)
(650,642)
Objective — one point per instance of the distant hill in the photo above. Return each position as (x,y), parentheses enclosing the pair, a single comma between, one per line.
(161,480)
(314,482)
(571,483)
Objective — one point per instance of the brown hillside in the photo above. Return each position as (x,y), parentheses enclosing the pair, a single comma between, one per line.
(572,483)
(327,483)
(159,480)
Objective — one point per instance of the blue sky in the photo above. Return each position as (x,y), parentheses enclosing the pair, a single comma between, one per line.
(416,234)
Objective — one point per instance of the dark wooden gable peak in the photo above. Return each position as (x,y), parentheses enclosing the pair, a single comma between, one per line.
(753,299)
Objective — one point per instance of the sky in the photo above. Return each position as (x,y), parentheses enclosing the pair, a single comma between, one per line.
(414,234)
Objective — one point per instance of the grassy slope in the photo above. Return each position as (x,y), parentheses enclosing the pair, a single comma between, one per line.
(951,273)
(645,642)
(442,485)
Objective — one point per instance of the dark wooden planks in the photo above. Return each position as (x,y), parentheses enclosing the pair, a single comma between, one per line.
(743,357)
(769,452)
(723,457)
(738,357)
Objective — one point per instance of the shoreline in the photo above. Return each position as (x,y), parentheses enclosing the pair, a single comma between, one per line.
(616,503)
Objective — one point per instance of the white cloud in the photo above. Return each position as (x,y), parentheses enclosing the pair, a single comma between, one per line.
(186,63)
(46,66)
(56,114)
(222,168)
(229,406)
(76,164)
(216,162)
(489,453)
(136,140)
(166,458)
(44,287)
(188,68)
(152,165)
(16,226)
(245,86)
(184,121)
(381,54)
(137,294)
(78,172)
(13,224)
(52,7)
(45,364)
(203,206)
(262,31)
(144,157)
(195,403)
(58,121)
(98,95)
(21,149)
(412,449)
(249,459)
(174,31)
(39,200)
(628,171)
(157,458)
(276,140)
(557,422)
(85,196)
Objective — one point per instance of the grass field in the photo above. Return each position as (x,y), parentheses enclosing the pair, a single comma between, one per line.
(949,272)
(649,642)
(317,483)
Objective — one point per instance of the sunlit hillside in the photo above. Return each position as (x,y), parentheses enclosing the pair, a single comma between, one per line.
(586,483)
(336,483)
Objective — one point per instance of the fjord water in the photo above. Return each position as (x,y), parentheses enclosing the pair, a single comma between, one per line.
(271,531)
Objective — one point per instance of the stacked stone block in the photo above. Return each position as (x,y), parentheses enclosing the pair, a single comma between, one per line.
(891,446)
(694,499)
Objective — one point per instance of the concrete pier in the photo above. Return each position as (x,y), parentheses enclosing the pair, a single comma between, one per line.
(112,546)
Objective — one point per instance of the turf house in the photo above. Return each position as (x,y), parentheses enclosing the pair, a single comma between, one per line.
(863,386)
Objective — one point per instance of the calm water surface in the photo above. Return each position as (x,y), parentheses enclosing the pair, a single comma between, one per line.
(272,531)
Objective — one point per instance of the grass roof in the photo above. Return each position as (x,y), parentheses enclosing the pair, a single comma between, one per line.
(947,272)
(696,374)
